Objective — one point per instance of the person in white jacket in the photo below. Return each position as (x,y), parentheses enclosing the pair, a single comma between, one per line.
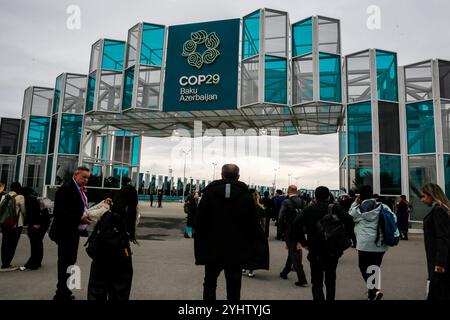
(11,234)
(365,212)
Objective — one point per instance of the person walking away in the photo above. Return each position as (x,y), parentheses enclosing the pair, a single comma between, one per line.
(402,212)
(436,228)
(38,221)
(277,201)
(151,199)
(260,213)
(226,226)
(12,218)
(70,205)
(111,278)
(160,196)
(323,252)
(369,243)
(268,208)
(191,208)
(290,208)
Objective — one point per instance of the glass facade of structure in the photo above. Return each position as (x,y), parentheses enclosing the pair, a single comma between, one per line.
(275,80)
(302,37)
(359,128)
(251,35)
(360,171)
(38,135)
(390,175)
(330,77)
(386,63)
(420,128)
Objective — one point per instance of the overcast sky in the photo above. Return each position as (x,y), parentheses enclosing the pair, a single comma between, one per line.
(36,46)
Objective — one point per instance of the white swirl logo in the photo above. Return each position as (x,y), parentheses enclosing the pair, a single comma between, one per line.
(194,58)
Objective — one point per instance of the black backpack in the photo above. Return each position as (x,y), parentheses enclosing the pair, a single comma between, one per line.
(290,216)
(331,234)
(109,242)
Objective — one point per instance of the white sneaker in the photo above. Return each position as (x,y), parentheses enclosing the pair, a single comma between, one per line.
(10,268)
(22,268)
(251,275)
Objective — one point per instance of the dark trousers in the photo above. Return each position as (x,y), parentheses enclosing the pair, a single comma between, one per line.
(233,276)
(159,204)
(37,247)
(320,267)
(10,240)
(294,259)
(151,203)
(367,259)
(439,289)
(67,256)
(110,281)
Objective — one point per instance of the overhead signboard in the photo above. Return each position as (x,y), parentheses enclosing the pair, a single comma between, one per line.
(202,66)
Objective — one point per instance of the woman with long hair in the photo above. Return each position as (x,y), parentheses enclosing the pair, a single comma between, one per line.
(436,229)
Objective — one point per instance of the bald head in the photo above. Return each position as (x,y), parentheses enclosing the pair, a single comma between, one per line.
(292,189)
(230,171)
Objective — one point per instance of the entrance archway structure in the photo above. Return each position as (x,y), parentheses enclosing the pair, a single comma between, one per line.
(259,72)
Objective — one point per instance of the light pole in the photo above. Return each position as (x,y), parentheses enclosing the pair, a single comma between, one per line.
(184,171)
(214,170)
(289,179)
(275,179)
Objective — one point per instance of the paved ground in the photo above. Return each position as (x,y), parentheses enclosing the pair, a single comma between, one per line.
(164,268)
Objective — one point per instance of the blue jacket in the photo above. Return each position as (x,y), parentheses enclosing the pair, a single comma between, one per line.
(366,218)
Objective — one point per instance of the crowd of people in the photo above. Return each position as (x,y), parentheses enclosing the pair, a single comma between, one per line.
(230,226)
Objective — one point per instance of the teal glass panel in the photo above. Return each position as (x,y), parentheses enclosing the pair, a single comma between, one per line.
(387,75)
(104,147)
(302,37)
(420,126)
(152,45)
(360,172)
(70,134)
(330,77)
(342,145)
(90,92)
(390,175)
(96,171)
(51,144)
(128,89)
(38,135)
(359,128)
(135,151)
(113,54)
(447,174)
(48,174)
(275,76)
(250,43)
(57,94)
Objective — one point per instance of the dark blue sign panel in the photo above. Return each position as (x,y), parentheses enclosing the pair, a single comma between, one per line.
(202,66)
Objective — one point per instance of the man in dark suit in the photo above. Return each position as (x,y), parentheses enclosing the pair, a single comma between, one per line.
(69,207)
(226,224)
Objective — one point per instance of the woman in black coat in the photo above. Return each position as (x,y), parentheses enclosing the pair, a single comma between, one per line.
(436,227)
(38,222)
(402,213)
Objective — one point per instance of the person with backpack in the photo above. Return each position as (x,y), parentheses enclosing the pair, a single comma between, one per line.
(290,209)
(376,230)
(327,228)
(12,218)
(436,230)
(111,272)
(38,221)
